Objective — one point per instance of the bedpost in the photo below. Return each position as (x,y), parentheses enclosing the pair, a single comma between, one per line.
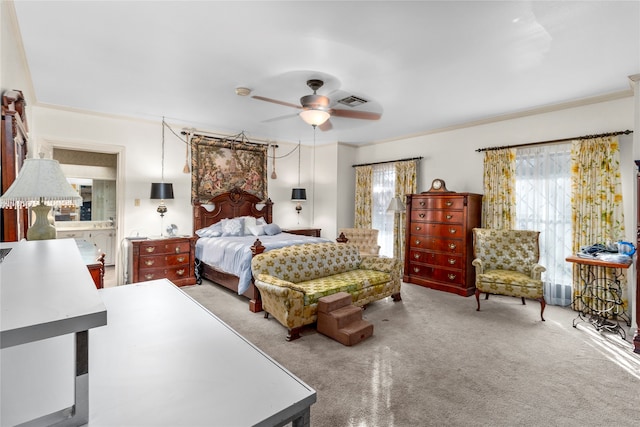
(342,238)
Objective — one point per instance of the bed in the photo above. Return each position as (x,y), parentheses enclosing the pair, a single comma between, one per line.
(227,260)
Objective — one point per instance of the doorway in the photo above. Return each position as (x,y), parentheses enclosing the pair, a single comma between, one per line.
(96,171)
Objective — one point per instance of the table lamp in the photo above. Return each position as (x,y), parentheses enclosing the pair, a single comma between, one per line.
(40,185)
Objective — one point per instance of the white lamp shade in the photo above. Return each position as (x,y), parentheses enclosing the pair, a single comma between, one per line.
(314,117)
(396,205)
(40,180)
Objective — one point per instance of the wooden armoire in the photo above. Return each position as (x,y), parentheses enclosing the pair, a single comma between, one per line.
(439,242)
(13,222)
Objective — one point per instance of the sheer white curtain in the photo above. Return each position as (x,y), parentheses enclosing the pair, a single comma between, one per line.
(543,203)
(384,181)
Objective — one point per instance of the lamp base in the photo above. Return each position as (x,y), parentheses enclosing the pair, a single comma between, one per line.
(41,229)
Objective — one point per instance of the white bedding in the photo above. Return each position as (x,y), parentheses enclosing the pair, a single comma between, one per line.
(233,254)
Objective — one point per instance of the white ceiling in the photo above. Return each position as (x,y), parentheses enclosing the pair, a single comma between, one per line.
(424,65)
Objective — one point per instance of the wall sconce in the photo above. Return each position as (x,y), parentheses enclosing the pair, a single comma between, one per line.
(39,181)
(298,195)
(162,190)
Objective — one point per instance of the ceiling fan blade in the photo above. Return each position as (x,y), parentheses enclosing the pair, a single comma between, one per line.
(326,126)
(275,101)
(355,114)
(275,119)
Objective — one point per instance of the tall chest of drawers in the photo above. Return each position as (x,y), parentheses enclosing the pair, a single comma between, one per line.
(170,258)
(439,242)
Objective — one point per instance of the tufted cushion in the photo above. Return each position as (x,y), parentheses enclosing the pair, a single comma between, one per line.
(366,239)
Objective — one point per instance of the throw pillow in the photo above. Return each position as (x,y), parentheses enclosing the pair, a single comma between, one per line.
(272,229)
(233,227)
(249,221)
(214,230)
(257,230)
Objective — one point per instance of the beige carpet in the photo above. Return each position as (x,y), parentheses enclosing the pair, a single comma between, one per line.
(434,361)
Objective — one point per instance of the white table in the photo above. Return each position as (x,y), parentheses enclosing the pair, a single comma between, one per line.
(164,360)
(48,303)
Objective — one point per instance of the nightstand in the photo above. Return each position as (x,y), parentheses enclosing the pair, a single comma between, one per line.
(170,258)
(313,232)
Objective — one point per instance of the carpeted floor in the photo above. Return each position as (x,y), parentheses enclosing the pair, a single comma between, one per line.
(434,361)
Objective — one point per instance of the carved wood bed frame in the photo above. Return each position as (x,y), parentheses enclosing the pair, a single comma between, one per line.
(232,204)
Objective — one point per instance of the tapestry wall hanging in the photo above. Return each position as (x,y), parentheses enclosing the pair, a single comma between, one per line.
(219,165)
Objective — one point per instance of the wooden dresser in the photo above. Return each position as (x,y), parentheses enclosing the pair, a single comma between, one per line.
(170,258)
(439,243)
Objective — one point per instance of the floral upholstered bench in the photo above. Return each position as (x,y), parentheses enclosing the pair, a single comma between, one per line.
(291,280)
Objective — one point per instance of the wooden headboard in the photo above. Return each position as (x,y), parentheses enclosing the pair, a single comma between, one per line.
(231,204)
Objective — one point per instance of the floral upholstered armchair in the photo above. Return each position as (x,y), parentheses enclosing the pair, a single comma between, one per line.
(366,239)
(506,263)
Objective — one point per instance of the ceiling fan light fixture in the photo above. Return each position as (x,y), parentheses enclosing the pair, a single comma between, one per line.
(314,117)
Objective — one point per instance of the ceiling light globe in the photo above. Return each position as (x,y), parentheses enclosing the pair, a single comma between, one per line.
(314,117)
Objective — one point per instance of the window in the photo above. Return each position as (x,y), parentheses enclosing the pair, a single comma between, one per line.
(383,183)
(543,203)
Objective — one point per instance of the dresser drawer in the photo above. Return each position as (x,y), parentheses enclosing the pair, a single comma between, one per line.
(443,216)
(438,230)
(171,273)
(436,273)
(156,261)
(436,244)
(438,203)
(160,247)
(452,260)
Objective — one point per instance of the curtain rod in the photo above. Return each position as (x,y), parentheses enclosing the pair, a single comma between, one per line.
(239,137)
(621,132)
(388,161)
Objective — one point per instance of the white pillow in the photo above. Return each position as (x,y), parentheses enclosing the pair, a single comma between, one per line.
(214,230)
(233,227)
(249,221)
(256,230)
(261,221)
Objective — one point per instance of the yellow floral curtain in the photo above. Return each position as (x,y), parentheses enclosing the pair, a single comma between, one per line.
(364,197)
(596,203)
(405,184)
(499,201)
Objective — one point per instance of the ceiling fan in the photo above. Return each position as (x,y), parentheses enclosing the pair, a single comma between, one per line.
(317,109)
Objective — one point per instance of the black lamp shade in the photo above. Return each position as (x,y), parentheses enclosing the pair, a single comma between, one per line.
(298,194)
(161,190)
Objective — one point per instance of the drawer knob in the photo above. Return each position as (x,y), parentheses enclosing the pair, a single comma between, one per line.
(418,228)
(452,276)
(421,215)
(148,276)
(177,250)
(180,272)
(417,242)
(149,262)
(150,249)
(449,216)
(416,270)
(422,203)
(452,245)
(452,230)
(452,261)
(181,259)
(449,203)
(416,256)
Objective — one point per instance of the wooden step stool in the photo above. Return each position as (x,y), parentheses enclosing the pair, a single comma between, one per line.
(340,320)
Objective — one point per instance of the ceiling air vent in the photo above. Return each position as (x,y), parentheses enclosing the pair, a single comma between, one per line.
(352,101)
